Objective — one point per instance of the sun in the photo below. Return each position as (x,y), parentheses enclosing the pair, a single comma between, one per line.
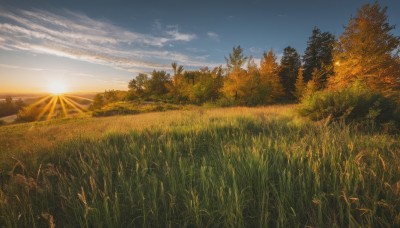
(57,88)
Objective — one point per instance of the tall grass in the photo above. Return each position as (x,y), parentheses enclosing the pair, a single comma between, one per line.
(209,169)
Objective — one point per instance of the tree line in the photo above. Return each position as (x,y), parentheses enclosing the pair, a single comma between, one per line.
(366,52)
(10,106)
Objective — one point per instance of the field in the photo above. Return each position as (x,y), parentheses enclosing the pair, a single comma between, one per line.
(235,167)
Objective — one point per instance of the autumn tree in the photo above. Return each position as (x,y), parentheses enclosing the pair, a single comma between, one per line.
(318,55)
(270,84)
(236,78)
(251,82)
(366,52)
(300,85)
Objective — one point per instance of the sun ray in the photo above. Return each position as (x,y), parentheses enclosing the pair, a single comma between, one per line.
(46,108)
(39,101)
(76,104)
(63,107)
(53,107)
(68,101)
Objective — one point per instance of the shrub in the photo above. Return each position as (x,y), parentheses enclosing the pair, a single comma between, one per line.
(352,104)
(29,114)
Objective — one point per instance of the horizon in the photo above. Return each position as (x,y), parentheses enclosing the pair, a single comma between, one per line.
(87,49)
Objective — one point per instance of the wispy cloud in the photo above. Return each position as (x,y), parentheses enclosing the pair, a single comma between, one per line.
(213,36)
(178,36)
(77,36)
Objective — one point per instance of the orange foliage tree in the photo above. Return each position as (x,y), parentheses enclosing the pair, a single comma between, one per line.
(366,52)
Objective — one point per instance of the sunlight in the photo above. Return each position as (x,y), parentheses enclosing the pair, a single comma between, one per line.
(57,88)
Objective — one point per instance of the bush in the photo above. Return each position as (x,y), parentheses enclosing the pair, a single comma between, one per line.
(29,114)
(352,104)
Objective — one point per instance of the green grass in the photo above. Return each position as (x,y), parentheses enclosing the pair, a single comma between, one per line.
(255,167)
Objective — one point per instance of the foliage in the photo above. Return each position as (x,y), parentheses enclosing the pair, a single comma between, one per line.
(352,104)
(207,88)
(137,86)
(29,113)
(109,96)
(235,167)
(10,107)
(290,64)
(318,55)
(236,59)
(300,86)
(270,86)
(366,51)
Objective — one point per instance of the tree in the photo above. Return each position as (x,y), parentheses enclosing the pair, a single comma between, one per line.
(207,86)
(236,59)
(311,87)
(178,87)
(158,84)
(290,63)
(251,85)
(137,86)
(318,55)
(10,106)
(300,85)
(270,84)
(236,79)
(365,52)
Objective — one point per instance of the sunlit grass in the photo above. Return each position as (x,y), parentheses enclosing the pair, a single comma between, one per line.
(54,106)
(254,167)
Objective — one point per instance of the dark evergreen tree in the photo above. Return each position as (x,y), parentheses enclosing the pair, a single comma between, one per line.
(318,55)
(290,63)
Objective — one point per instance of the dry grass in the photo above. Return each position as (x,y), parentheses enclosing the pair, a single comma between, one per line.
(230,167)
(30,137)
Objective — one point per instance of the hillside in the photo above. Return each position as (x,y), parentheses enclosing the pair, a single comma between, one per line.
(203,167)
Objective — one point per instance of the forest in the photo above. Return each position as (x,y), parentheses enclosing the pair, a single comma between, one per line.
(355,75)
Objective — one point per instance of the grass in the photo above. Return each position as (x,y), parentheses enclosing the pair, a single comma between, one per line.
(129,108)
(234,167)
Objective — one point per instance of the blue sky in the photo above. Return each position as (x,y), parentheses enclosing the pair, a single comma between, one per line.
(98,45)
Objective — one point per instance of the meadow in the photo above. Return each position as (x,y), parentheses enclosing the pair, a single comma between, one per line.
(205,167)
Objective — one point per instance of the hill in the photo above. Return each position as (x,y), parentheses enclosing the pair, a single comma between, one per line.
(203,167)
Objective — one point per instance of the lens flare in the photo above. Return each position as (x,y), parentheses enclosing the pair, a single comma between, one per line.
(57,88)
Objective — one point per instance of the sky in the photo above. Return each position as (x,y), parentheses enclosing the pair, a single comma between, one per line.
(92,46)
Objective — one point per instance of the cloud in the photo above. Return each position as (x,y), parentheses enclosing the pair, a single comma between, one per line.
(75,35)
(177,36)
(21,68)
(213,36)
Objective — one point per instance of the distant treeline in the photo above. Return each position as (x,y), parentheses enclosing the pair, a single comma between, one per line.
(366,52)
(10,107)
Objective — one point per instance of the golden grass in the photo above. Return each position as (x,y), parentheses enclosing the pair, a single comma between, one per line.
(29,137)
